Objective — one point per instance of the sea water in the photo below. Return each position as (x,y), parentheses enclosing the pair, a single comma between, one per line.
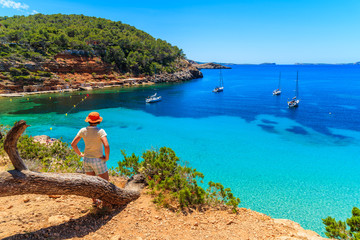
(300,164)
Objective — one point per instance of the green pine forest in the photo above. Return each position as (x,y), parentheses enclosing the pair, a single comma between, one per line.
(128,50)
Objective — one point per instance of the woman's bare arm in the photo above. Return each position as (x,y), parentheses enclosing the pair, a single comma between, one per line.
(106,147)
(75,147)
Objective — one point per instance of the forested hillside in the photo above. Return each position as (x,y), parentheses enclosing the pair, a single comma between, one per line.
(127,49)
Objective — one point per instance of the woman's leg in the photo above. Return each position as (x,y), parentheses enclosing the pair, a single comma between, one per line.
(104,176)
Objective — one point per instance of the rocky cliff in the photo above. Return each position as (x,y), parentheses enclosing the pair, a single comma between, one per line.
(68,63)
(68,71)
(184,75)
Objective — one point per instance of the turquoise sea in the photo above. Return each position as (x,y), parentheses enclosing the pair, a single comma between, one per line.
(301,164)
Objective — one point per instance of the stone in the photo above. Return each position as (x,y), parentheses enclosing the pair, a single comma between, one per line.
(229,222)
(116,237)
(58,219)
(43,139)
(54,196)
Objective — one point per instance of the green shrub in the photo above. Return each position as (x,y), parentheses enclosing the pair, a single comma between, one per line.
(15,71)
(174,185)
(218,195)
(55,157)
(25,72)
(44,74)
(338,229)
(2,138)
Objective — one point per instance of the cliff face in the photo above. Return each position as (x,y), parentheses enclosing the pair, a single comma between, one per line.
(184,75)
(67,63)
(67,71)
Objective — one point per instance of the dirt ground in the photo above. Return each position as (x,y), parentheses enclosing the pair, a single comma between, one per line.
(73,217)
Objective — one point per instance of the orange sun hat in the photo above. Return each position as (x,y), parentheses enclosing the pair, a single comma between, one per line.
(93,117)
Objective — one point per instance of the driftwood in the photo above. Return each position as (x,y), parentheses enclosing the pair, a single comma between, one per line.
(22,181)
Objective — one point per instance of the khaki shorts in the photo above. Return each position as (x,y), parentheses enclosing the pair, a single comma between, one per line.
(95,165)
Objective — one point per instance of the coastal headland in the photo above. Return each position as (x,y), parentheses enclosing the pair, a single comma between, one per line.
(60,52)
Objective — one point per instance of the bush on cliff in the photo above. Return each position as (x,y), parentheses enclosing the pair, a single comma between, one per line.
(2,138)
(174,185)
(54,157)
(338,229)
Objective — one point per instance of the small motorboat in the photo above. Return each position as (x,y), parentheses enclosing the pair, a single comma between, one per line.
(153,98)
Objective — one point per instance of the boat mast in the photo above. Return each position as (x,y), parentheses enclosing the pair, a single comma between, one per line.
(279,81)
(297,84)
(221,79)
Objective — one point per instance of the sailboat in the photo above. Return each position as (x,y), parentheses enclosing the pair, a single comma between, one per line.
(153,98)
(278,90)
(294,101)
(219,88)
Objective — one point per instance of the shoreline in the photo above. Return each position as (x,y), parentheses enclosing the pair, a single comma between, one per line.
(23,94)
(180,76)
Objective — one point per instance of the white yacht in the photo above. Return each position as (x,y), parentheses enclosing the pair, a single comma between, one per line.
(278,90)
(153,98)
(219,88)
(294,102)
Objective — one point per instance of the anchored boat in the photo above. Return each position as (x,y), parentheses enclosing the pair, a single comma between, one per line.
(153,98)
(295,101)
(278,90)
(219,88)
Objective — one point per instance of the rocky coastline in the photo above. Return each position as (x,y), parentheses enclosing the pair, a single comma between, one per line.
(66,73)
(180,76)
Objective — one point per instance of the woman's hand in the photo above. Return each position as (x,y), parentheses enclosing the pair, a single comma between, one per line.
(104,158)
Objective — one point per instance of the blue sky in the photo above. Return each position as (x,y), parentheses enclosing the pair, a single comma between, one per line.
(243,31)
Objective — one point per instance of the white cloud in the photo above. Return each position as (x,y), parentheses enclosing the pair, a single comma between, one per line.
(13,4)
(34,12)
